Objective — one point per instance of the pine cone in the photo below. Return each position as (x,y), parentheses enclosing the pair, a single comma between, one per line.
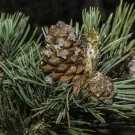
(67,61)
(95,86)
(63,57)
(121,69)
(131,67)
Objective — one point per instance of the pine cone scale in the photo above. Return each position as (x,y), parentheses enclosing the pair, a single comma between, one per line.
(48,68)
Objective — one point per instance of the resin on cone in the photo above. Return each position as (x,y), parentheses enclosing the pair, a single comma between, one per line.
(95,87)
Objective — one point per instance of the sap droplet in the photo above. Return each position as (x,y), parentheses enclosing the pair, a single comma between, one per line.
(63,54)
(61,42)
(77,51)
(57,46)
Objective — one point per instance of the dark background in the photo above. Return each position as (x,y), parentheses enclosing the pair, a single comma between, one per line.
(48,12)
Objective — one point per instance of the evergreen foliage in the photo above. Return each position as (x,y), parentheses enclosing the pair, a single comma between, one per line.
(30,101)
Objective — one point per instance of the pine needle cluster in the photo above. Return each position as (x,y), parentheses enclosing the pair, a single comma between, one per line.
(30,101)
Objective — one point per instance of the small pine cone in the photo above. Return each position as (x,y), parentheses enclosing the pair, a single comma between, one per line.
(62,57)
(131,67)
(95,87)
